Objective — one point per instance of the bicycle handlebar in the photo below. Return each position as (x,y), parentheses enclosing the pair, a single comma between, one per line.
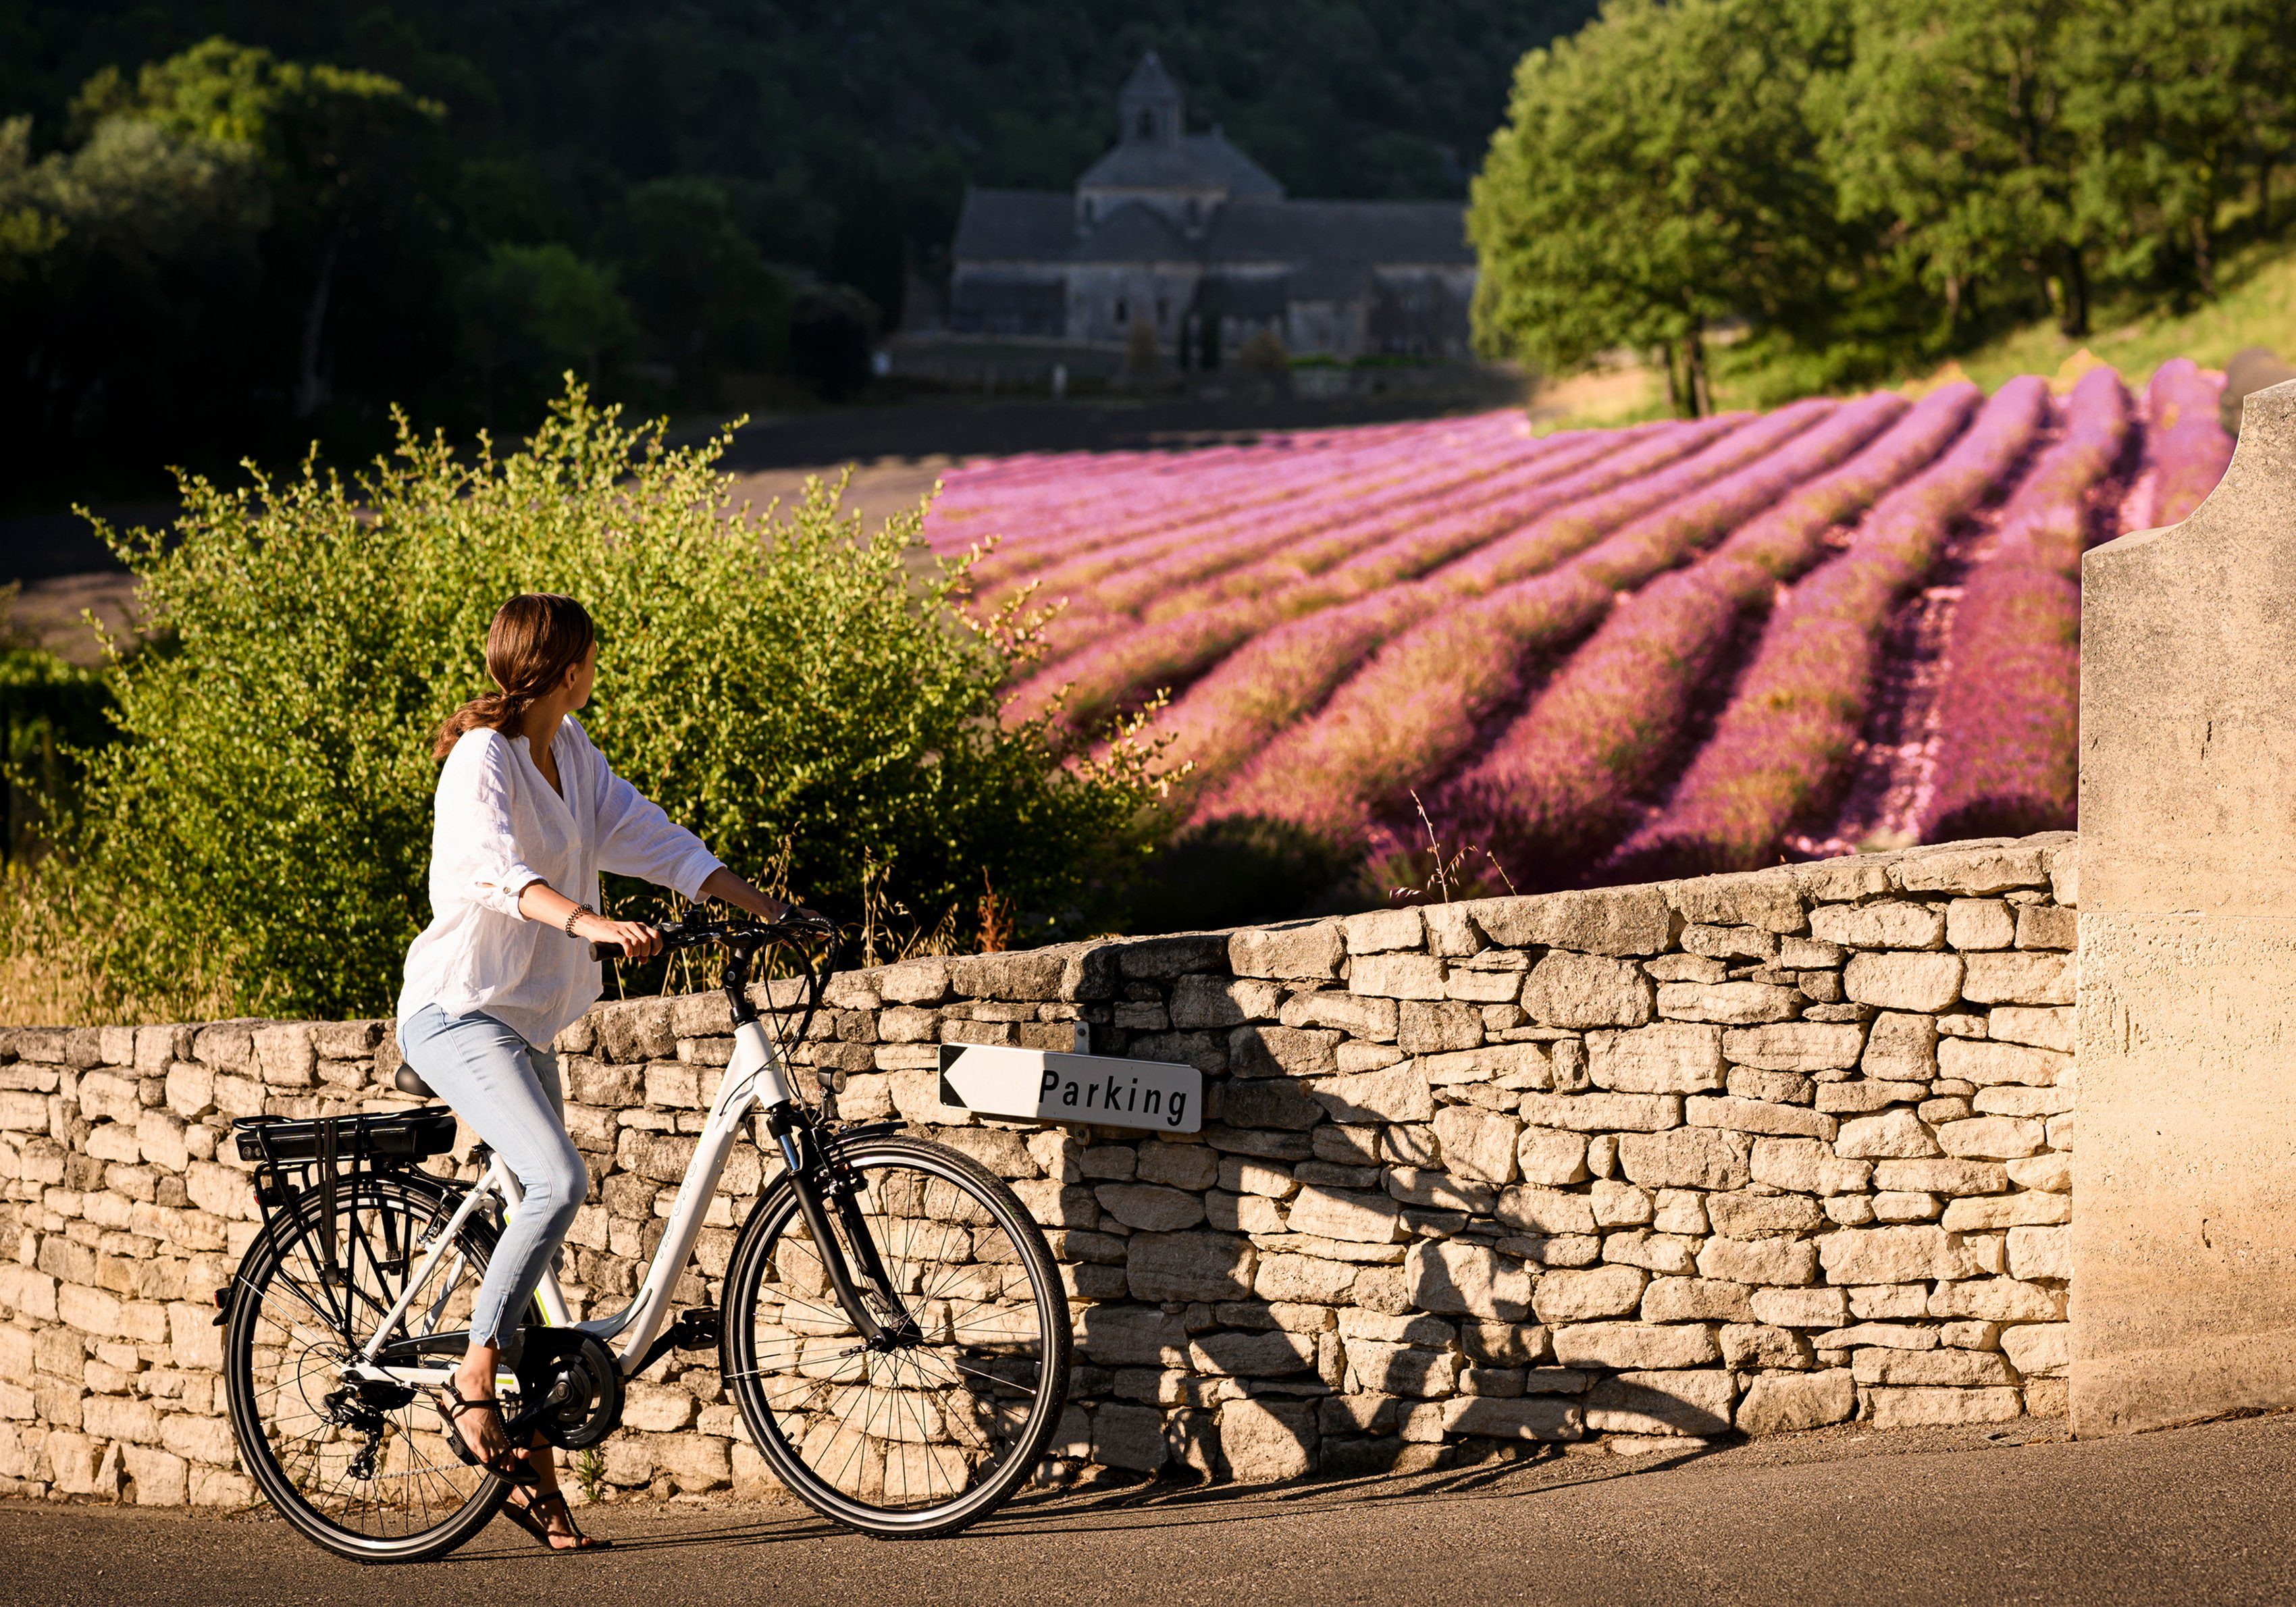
(742,940)
(696,934)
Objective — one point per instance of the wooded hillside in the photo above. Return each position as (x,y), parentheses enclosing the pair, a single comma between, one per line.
(682,190)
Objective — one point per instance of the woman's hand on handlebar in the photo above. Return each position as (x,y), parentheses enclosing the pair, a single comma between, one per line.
(537,900)
(727,887)
(797,914)
(634,939)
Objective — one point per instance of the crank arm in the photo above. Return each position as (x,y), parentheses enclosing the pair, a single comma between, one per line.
(522,1427)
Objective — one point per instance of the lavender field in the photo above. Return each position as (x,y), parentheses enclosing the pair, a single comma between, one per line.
(1603,654)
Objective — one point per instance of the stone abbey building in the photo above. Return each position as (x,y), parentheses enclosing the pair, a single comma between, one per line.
(1187,234)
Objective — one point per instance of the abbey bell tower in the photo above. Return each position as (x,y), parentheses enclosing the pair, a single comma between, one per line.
(1148,106)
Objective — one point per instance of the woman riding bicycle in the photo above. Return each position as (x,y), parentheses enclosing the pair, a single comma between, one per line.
(528,813)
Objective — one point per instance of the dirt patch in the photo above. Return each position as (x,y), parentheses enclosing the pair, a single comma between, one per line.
(880,488)
(1895,773)
(51,613)
(1597,397)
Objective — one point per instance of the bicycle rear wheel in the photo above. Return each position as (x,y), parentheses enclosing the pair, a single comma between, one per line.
(924,1432)
(365,1470)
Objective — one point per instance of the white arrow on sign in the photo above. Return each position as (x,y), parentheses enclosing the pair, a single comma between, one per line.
(1045,1085)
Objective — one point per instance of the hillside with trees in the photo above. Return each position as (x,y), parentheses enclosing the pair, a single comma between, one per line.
(1864,184)
(230,228)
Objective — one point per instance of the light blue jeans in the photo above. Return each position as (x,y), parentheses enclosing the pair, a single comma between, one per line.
(508,1090)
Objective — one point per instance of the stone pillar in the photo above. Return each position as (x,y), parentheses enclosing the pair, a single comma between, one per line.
(2184,1284)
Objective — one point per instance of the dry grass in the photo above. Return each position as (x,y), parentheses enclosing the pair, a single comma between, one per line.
(46,978)
(1599,399)
(50,975)
(39,991)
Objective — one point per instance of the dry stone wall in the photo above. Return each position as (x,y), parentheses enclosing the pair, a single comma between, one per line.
(1744,1153)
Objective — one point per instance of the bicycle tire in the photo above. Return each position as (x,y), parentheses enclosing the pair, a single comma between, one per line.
(935,1443)
(290,1232)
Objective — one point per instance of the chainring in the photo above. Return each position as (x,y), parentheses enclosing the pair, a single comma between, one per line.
(588,1383)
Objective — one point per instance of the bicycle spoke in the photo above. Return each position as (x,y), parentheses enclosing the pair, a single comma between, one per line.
(993,1379)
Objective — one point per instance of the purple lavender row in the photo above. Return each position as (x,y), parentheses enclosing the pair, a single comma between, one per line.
(1050,478)
(2008,713)
(1233,603)
(1188,575)
(2187,449)
(1417,707)
(1090,511)
(1353,519)
(1782,747)
(1187,494)
(1555,791)
(1414,546)
(1330,624)
(1231,534)
(1474,509)
(1569,531)
(1131,658)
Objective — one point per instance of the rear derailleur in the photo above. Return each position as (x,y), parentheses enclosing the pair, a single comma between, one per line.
(360,1408)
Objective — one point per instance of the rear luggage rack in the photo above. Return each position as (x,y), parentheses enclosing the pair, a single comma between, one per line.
(386,1135)
(322,1159)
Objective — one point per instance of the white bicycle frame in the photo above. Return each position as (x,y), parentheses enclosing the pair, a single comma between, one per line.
(756,1079)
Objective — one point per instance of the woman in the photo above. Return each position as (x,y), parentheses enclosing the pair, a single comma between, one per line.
(528,812)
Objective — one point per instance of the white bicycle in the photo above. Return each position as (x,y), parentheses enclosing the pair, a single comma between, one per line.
(893,1327)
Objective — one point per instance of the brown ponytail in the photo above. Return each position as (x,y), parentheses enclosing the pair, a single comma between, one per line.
(535,639)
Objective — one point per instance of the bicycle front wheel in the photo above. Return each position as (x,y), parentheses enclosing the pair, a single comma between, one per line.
(363,1470)
(933,1424)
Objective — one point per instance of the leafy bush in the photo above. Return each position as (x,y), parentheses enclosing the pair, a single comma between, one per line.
(51,714)
(787,687)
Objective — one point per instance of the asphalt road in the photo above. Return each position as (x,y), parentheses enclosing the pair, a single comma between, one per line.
(1842,1516)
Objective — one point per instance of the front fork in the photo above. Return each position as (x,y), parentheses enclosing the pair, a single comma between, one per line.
(815,1174)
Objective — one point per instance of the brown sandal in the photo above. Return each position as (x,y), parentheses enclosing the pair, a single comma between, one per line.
(504,1464)
(532,1515)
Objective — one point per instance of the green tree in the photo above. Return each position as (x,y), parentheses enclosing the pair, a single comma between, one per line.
(261,831)
(356,166)
(703,294)
(1949,127)
(832,331)
(126,265)
(225,244)
(531,312)
(1654,174)
(2169,100)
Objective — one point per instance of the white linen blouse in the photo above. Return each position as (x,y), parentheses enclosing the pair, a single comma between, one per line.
(500,827)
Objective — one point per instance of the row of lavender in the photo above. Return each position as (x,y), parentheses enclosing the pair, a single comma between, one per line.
(1404,623)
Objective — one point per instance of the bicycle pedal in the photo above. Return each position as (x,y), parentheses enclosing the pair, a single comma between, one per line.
(695,1330)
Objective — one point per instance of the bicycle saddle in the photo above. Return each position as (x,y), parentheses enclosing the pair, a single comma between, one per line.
(407,1082)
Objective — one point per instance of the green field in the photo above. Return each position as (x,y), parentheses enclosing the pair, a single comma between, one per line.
(2255,307)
